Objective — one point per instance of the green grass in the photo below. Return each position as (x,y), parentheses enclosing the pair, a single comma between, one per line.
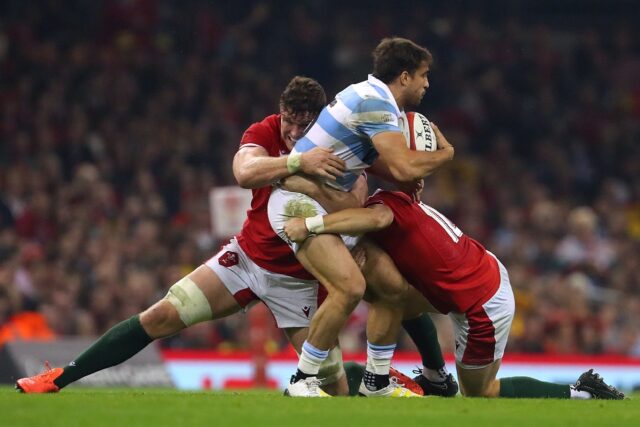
(144,407)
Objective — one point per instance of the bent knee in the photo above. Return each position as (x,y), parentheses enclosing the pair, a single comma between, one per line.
(161,320)
(350,295)
(477,393)
(490,390)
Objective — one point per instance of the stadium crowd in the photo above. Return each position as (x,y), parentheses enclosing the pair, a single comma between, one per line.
(117,117)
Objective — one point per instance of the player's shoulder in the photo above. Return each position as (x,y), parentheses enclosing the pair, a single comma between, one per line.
(365,95)
(268,124)
(264,131)
(389,198)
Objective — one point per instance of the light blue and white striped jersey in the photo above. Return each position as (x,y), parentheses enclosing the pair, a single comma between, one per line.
(349,122)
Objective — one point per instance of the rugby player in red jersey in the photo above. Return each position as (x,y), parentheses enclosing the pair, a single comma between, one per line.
(256,265)
(456,276)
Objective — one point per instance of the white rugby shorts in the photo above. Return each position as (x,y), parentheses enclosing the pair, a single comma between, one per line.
(292,301)
(284,205)
(481,334)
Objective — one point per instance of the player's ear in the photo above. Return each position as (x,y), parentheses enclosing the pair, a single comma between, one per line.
(404,78)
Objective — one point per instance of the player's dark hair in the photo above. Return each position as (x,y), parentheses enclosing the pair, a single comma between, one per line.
(303,95)
(394,55)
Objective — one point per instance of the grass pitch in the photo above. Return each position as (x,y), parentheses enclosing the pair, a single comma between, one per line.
(152,407)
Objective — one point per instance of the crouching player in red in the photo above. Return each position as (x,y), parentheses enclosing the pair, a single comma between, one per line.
(456,276)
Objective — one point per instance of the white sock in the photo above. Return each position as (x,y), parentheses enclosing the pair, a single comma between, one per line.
(580,394)
(379,358)
(311,358)
(435,375)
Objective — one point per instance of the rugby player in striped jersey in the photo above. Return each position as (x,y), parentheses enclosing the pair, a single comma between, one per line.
(361,127)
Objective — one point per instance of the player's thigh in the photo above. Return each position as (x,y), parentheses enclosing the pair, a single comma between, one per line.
(221,302)
(329,260)
(384,281)
(479,382)
(292,301)
(415,304)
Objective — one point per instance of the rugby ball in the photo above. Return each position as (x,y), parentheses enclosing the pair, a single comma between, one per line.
(418,132)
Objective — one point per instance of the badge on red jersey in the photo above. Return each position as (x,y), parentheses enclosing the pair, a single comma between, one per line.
(228,259)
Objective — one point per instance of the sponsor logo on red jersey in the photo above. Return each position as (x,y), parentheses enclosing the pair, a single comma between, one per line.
(228,259)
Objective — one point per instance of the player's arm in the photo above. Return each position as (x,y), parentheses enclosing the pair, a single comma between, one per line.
(329,198)
(353,221)
(254,168)
(412,188)
(400,164)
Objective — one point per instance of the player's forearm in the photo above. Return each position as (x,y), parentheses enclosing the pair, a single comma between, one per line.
(330,199)
(354,221)
(261,171)
(420,164)
(335,200)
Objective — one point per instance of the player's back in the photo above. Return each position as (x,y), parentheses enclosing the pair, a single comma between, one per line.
(349,122)
(452,270)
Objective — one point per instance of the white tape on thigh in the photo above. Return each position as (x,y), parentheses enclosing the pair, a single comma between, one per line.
(189,301)
(331,369)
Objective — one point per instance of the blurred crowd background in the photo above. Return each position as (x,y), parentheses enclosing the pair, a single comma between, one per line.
(118,117)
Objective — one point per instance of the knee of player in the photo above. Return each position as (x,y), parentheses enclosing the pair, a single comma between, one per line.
(352,292)
(161,319)
(396,295)
(486,391)
(188,302)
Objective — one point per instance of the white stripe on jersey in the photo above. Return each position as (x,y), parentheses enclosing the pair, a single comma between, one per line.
(365,90)
(340,112)
(339,149)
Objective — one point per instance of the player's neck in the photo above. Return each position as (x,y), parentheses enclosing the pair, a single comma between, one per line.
(397,91)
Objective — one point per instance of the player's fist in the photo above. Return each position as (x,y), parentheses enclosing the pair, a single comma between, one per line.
(442,141)
(413,188)
(322,162)
(296,230)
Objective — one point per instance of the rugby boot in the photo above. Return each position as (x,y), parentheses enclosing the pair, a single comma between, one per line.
(409,383)
(446,388)
(307,387)
(40,383)
(394,389)
(595,385)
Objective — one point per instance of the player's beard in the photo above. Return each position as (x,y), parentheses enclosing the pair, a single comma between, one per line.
(414,102)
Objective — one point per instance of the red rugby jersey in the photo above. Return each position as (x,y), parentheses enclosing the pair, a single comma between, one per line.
(257,238)
(453,271)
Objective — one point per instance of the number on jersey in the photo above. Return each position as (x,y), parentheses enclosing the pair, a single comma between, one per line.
(454,232)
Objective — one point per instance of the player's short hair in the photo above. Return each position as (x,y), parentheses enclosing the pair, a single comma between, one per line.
(303,95)
(393,55)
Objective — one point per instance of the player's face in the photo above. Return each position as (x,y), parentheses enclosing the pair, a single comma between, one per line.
(292,126)
(417,85)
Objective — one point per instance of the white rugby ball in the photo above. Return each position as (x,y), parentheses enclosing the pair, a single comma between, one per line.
(418,132)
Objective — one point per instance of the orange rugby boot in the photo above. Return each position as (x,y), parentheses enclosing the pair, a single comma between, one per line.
(406,381)
(41,383)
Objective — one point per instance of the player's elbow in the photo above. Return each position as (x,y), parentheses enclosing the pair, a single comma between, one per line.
(382,218)
(243,180)
(406,174)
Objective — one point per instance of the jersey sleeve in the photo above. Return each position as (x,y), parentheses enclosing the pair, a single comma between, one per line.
(388,198)
(374,199)
(375,115)
(256,135)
